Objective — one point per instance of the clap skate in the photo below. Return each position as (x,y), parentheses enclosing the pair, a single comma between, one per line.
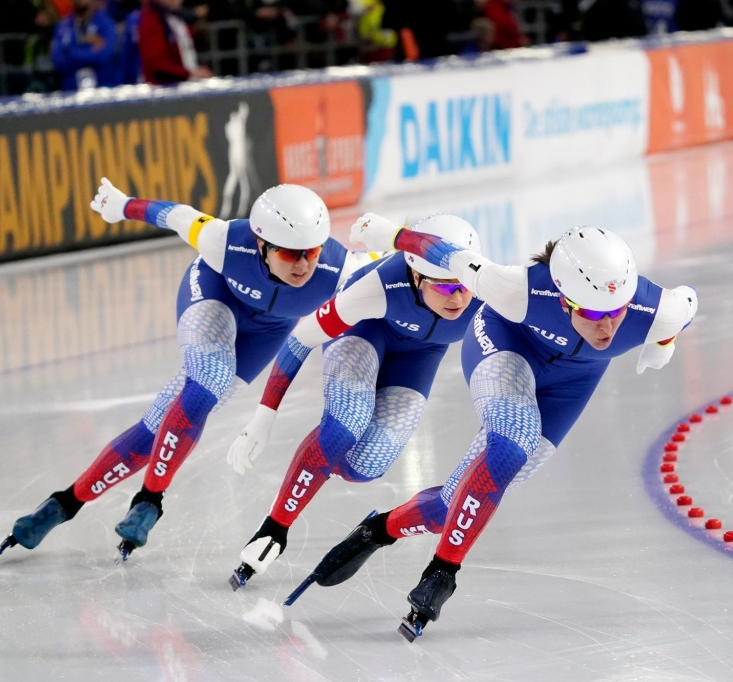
(426,600)
(134,528)
(346,558)
(28,531)
(266,545)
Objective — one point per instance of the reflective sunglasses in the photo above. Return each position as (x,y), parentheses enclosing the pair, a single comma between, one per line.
(594,315)
(294,255)
(445,288)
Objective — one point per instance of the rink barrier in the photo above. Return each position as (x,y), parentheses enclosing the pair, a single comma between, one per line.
(673,491)
(353,134)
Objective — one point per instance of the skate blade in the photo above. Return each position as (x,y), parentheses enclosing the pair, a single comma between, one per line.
(7,543)
(299,590)
(235,582)
(124,549)
(240,576)
(411,628)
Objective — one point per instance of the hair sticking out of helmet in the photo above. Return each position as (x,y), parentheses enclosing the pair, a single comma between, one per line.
(594,268)
(290,216)
(451,228)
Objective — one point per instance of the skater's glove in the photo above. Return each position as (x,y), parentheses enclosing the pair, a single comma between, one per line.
(251,440)
(376,232)
(110,202)
(654,355)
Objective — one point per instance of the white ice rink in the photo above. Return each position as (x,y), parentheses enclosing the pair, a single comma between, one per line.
(588,572)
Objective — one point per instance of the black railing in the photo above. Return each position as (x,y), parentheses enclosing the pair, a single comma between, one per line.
(229,48)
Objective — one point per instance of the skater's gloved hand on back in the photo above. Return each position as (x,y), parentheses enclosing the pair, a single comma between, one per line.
(110,202)
(376,232)
(251,440)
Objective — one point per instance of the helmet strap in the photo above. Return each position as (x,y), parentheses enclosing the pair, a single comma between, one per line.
(263,258)
(416,287)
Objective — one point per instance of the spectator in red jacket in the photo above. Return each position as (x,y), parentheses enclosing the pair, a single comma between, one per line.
(507,32)
(167,51)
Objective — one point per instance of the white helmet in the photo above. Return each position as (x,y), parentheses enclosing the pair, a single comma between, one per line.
(451,228)
(291,216)
(594,268)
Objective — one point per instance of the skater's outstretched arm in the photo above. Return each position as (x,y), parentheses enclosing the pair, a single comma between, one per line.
(503,287)
(208,235)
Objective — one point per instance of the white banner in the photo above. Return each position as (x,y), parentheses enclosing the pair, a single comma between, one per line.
(480,124)
(582,109)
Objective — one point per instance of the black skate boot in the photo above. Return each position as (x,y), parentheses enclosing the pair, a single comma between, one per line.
(29,531)
(437,584)
(145,510)
(346,558)
(266,545)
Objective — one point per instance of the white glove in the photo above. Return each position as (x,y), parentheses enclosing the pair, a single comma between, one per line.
(251,440)
(690,294)
(655,356)
(376,232)
(110,202)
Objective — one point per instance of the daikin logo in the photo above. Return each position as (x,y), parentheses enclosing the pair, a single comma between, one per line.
(455,134)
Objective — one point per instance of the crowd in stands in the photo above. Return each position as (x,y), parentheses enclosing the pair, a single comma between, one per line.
(52,45)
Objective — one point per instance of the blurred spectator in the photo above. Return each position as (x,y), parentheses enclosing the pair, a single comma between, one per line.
(267,18)
(699,15)
(20,18)
(507,32)
(606,19)
(131,71)
(196,12)
(483,32)
(268,23)
(204,17)
(84,48)
(377,43)
(167,51)
(213,10)
(567,25)
(422,27)
(327,15)
(62,8)
(322,21)
(660,16)
(121,9)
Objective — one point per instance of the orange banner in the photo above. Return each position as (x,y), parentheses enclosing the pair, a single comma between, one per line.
(691,199)
(691,98)
(319,139)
